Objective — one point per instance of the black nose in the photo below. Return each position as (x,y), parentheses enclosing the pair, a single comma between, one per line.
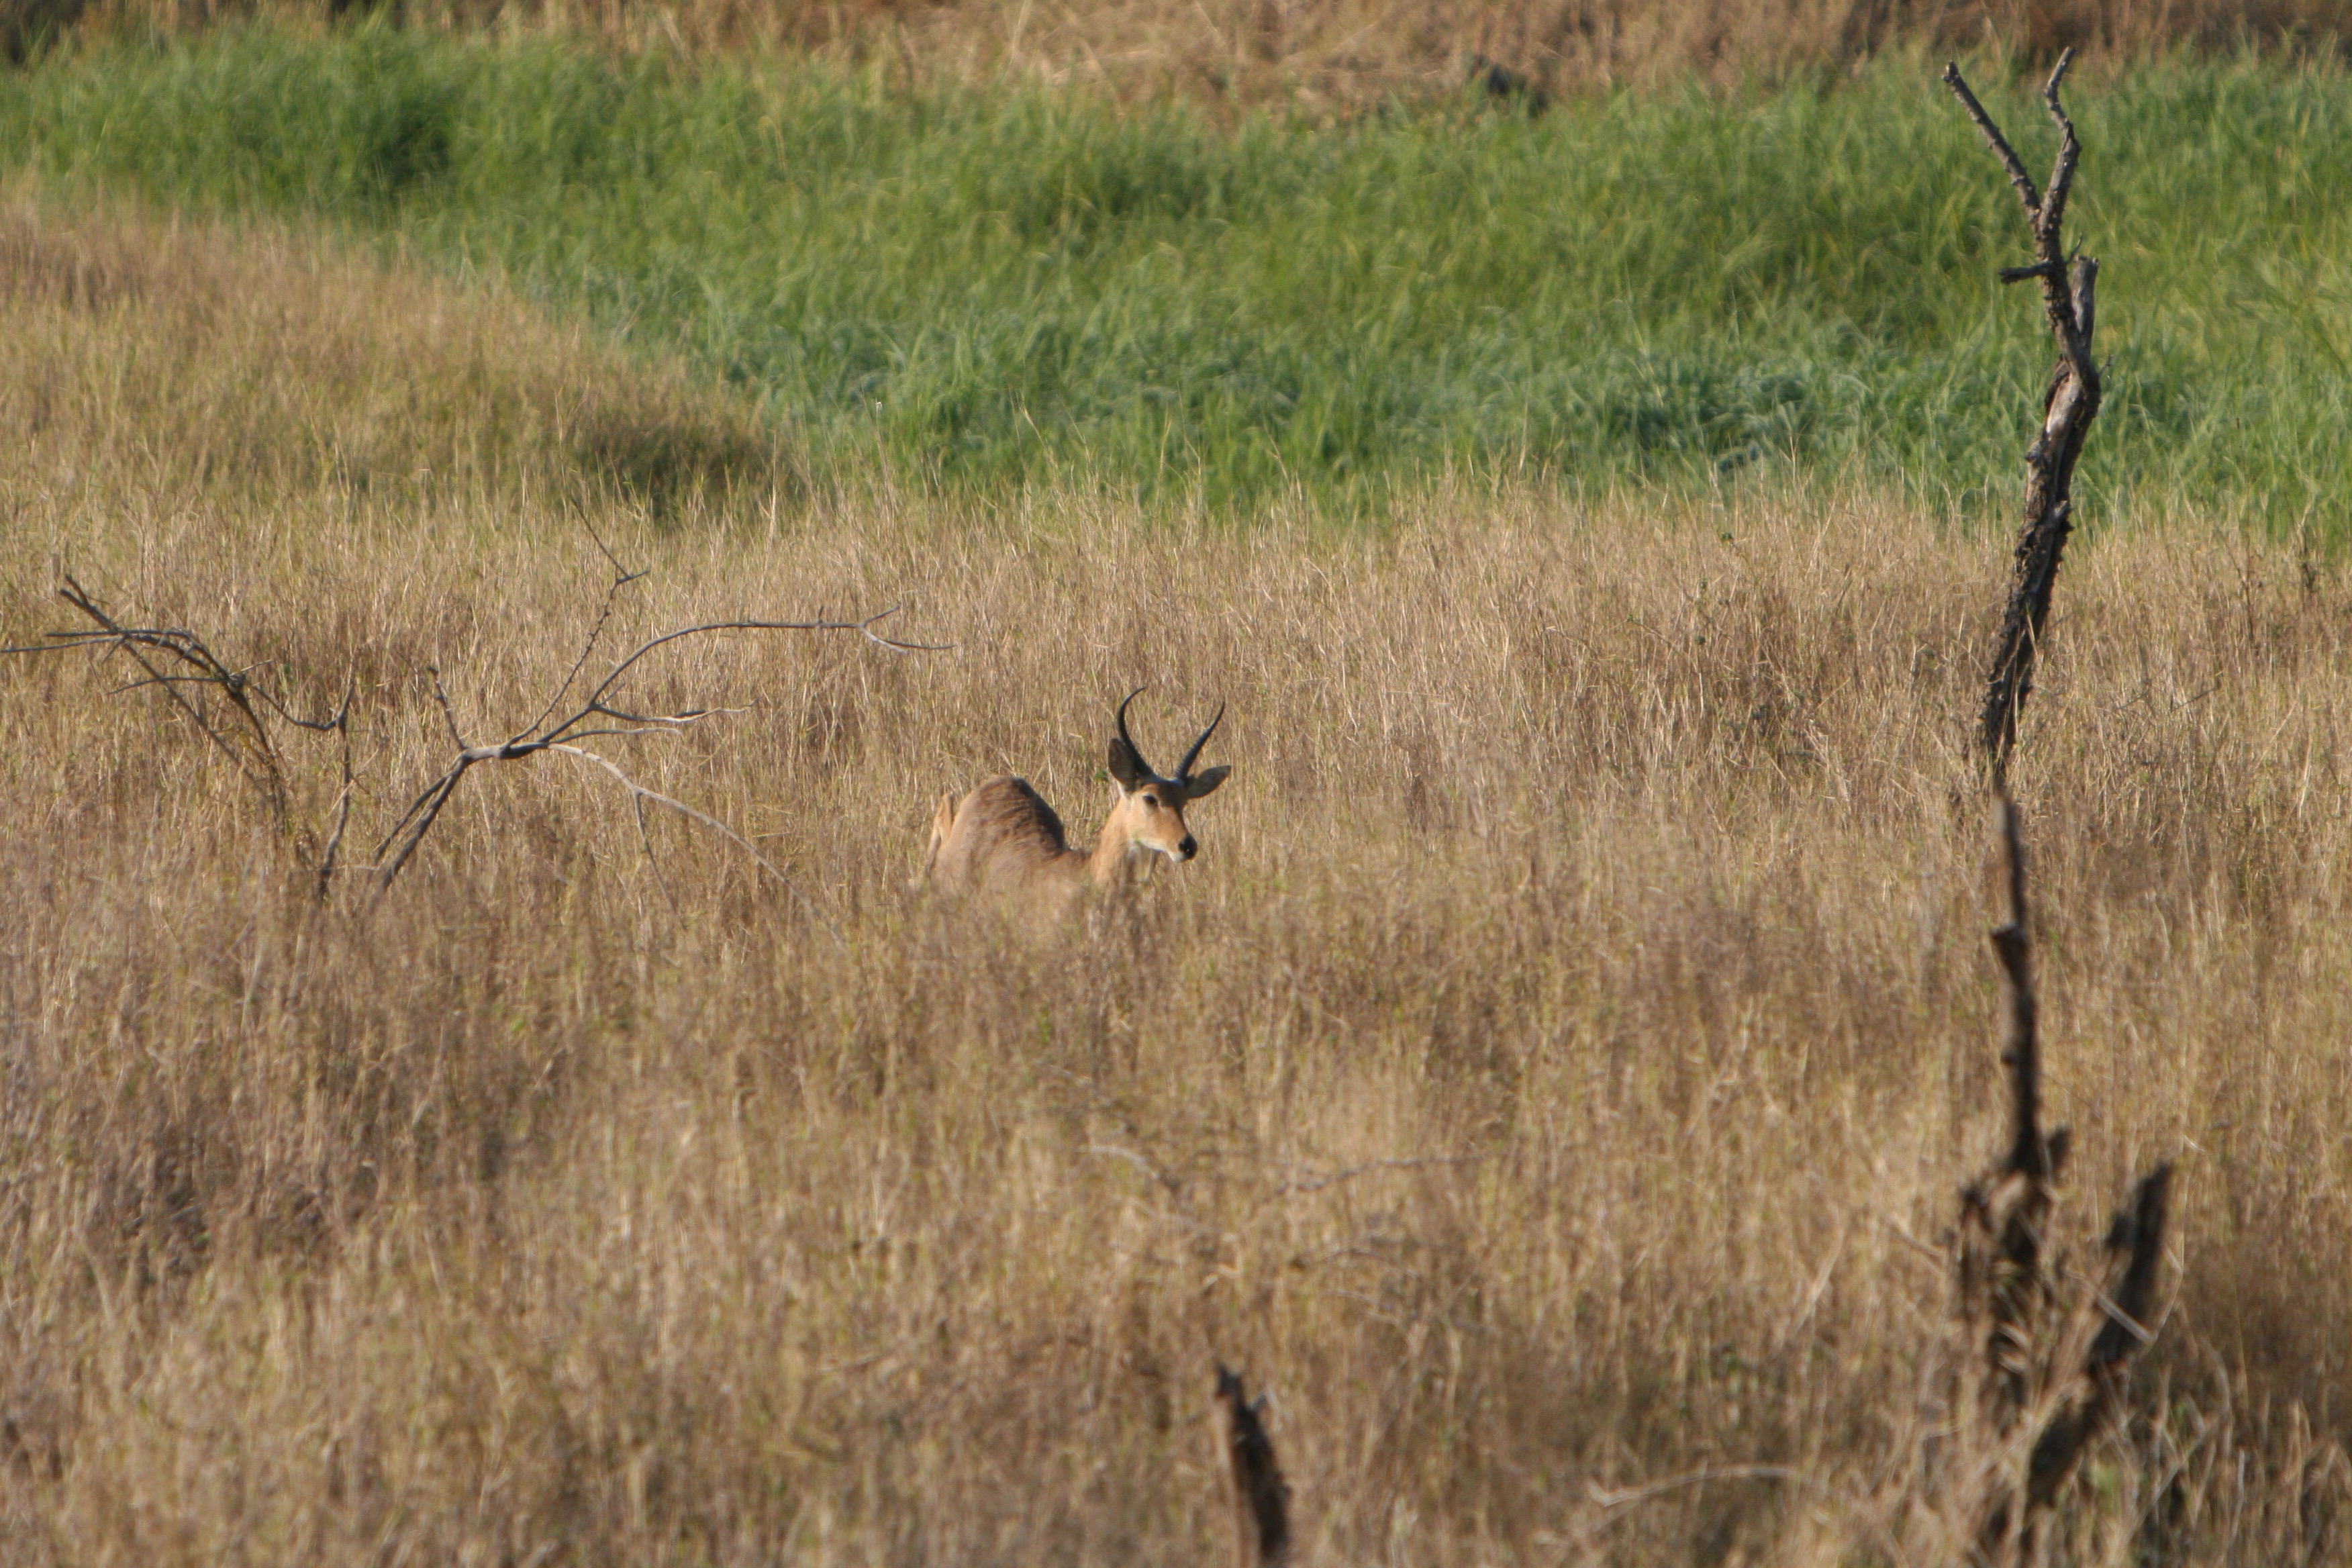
(1189,848)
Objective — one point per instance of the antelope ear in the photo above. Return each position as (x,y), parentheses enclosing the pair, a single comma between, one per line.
(1125,766)
(1205,782)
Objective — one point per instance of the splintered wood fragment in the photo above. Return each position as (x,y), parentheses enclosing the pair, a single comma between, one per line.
(1260,1497)
(2070,404)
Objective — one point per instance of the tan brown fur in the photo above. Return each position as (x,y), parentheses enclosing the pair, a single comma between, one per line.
(1000,828)
(1005,838)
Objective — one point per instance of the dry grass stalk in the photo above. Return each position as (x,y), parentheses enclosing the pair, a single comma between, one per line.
(1261,1496)
(2044,1377)
(2068,408)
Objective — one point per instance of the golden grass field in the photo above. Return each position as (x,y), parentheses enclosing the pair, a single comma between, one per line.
(1309,54)
(1554,1077)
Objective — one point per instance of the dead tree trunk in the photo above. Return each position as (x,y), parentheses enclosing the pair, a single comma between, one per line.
(2067,410)
(2040,1378)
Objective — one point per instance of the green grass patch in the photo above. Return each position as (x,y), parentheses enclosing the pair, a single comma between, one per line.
(991,290)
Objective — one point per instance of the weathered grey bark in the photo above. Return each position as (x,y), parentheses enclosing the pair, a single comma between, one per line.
(2069,302)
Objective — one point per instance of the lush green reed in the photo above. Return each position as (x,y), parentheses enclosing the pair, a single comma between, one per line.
(997,288)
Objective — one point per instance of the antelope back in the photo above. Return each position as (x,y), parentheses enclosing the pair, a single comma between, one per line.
(1002,832)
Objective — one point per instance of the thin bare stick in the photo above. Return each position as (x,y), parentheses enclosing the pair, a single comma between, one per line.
(2029,1152)
(582,722)
(248,744)
(448,713)
(418,820)
(863,627)
(251,747)
(588,649)
(328,857)
(2070,149)
(2003,1215)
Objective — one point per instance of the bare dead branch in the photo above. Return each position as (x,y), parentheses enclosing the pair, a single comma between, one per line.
(416,822)
(2070,151)
(2001,150)
(2136,1240)
(2086,276)
(1260,1497)
(245,740)
(2029,1152)
(2070,404)
(863,627)
(595,633)
(596,717)
(448,713)
(2003,1214)
(2087,1399)
(181,665)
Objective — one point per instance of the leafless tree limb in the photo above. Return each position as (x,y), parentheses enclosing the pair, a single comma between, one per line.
(245,740)
(2070,404)
(598,716)
(181,665)
(644,796)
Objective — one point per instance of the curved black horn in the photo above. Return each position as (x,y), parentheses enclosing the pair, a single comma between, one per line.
(1129,739)
(1185,772)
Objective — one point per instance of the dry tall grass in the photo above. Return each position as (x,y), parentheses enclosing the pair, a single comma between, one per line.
(1554,1074)
(1310,51)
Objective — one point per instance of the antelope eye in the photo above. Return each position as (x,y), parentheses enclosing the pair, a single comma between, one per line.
(1152,801)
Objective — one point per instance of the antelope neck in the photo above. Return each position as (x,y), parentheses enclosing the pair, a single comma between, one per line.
(1110,852)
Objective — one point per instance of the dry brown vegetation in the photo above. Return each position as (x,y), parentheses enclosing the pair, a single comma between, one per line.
(1552,1083)
(1308,51)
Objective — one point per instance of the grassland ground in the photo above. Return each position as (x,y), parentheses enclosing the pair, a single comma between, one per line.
(1326,56)
(1554,1074)
(986,288)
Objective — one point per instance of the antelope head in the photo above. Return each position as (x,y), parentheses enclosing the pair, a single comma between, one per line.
(1149,814)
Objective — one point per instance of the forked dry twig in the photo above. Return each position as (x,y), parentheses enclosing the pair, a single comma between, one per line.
(599,716)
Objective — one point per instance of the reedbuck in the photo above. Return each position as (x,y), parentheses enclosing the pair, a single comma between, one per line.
(1002,835)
